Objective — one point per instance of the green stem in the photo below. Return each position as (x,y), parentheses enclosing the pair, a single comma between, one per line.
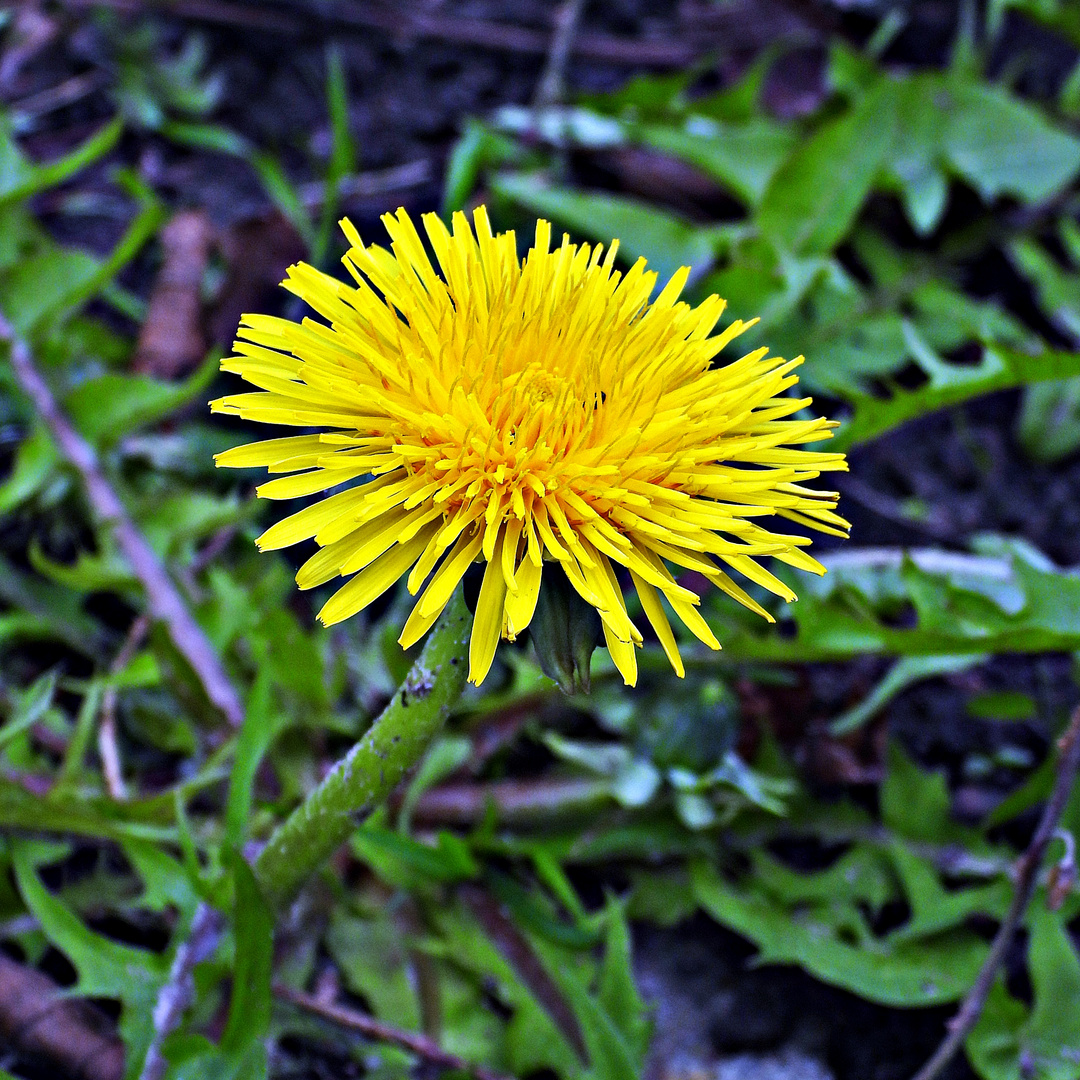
(367,774)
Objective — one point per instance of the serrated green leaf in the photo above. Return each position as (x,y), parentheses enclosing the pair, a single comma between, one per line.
(1052,1034)
(610,1057)
(373,956)
(1001,368)
(34,463)
(253,928)
(105,968)
(934,908)
(916,156)
(859,350)
(813,200)
(105,571)
(993,1047)
(616,991)
(261,724)
(1003,146)
(915,802)
(743,157)
(111,406)
(195,1057)
(532,1039)
(166,883)
(902,974)
(1008,1038)
(47,283)
(862,875)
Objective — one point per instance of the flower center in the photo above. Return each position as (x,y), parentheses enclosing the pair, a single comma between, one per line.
(540,385)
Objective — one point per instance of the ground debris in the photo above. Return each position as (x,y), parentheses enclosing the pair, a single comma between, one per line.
(171,341)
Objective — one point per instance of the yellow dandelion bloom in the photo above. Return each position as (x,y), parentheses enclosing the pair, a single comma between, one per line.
(520,412)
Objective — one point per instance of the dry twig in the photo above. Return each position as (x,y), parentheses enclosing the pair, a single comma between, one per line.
(60,95)
(1027,875)
(176,994)
(550,89)
(107,748)
(420,1045)
(480,33)
(517,950)
(516,802)
(38,1018)
(366,185)
(163,601)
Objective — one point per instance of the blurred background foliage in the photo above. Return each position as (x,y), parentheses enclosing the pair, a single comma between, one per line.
(844,793)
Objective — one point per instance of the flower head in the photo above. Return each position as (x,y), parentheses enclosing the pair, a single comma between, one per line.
(523,412)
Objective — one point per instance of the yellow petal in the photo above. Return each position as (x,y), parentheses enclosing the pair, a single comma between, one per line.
(654,612)
(452,570)
(694,622)
(374,579)
(622,653)
(271,451)
(521,606)
(488,621)
(304,524)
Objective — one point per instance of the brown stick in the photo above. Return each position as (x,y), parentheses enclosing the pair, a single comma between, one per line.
(549,90)
(37,1018)
(517,950)
(365,185)
(518,802)
(505,37)
(223,12)
(1027,874)
(480,33)
(163,601)
(107,748)
(175,996)
(420,1045)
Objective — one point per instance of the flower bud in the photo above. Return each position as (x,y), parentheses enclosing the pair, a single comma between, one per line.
(565,630)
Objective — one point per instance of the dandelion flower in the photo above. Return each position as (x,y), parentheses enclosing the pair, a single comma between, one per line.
(523,413)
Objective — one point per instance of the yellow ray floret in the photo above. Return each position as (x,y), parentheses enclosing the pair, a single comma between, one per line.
(523,412)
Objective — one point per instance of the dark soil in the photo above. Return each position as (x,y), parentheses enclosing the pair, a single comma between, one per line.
(709,1004)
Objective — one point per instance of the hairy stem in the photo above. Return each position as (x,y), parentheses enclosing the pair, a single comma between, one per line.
(362,779)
